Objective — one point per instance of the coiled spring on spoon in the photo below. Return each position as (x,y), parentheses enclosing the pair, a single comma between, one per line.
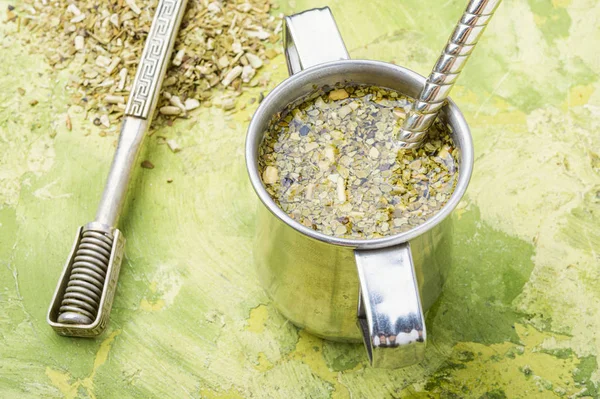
(82,297)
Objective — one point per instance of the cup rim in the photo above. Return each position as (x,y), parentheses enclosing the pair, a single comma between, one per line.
(251,153)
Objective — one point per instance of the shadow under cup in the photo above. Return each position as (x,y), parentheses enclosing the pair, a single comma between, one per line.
(312,277)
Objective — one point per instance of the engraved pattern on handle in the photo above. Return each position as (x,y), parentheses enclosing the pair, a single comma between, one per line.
(155,58)
(445,72)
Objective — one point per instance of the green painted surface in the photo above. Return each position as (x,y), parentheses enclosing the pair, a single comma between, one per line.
(519,317)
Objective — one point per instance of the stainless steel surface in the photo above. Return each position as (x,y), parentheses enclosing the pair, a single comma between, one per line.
(84,294)
(133,132)
(311,38)
(445,72)
(315,284)
(155,58)
(389,312)
(311,277)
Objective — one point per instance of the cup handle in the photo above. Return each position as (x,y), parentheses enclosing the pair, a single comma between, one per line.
(311,38)
(390,315)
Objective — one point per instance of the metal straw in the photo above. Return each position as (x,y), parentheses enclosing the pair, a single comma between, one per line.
(84,295)
(445,72)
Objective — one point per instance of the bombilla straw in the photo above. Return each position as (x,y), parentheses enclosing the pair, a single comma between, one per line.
(85,292)
(425,109)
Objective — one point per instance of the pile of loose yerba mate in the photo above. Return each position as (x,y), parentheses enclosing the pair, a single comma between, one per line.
(221,43)
(331,164)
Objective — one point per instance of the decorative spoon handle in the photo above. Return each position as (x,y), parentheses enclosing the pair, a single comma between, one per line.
(445,72)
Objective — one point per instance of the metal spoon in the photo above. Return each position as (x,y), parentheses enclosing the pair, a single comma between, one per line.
(83,298)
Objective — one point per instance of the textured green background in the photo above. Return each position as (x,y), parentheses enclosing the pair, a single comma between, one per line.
(519,317)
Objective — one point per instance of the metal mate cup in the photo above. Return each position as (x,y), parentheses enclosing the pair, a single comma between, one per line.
(347,289)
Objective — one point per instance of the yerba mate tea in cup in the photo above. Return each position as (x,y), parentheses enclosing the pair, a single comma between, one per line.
(331,163)
(352,237)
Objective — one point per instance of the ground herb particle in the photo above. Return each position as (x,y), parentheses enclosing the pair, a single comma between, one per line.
(147,165)
(331,164)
